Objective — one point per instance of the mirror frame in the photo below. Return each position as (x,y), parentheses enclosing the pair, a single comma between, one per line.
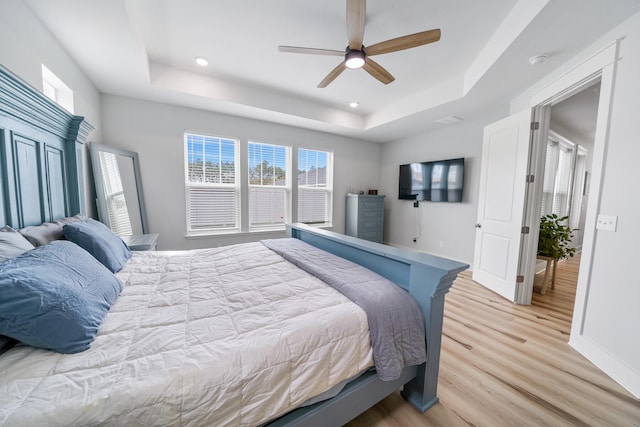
(96,149)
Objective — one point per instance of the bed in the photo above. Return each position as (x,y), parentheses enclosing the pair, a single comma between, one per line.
(166,349)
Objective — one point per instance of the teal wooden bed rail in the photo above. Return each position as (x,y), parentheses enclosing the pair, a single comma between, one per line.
(428,278)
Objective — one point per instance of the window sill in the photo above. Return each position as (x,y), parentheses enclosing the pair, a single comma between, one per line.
(234,233)
(264,231)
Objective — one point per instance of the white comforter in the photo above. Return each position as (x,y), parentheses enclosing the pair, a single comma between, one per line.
(225,336)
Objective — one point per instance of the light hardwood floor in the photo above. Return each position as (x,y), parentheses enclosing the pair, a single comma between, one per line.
(510,365)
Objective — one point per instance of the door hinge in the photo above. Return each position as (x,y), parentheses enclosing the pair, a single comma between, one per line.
(525,230)
(530,178)
(519,279)
(535,125)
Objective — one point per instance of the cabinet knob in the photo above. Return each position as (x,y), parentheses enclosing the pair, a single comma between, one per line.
(478,225)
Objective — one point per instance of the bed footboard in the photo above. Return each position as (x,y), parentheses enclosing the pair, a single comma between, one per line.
(427,277)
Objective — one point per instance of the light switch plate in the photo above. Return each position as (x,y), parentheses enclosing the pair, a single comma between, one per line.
(607,222)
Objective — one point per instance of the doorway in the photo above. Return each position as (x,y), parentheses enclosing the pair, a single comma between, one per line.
(601,66)
(567,172)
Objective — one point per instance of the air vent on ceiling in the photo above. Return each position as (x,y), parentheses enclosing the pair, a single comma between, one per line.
(449,120)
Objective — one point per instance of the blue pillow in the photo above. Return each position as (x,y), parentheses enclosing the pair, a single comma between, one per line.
(97,239)
(55,297)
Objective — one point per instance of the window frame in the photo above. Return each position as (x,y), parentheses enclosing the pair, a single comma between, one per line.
(242,188)
(286,189)
(328,190)
(56,90)
(235,187)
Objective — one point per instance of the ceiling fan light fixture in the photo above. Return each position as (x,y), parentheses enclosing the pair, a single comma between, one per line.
(354,59)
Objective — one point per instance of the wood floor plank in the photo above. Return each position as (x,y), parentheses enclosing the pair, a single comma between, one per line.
(510,365)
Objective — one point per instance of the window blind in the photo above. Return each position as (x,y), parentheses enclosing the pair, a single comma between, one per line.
(558,173)
(117,210)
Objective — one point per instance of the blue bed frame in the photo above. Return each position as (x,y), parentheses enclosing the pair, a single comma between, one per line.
(426,277)
(41,151)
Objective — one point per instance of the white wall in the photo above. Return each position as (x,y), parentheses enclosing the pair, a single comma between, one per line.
(24,46)
(607,331)
(155,131)
(447,228)
(611,316)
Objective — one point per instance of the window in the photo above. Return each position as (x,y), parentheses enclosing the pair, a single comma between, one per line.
(225,195)
(269,186)
(315,186)
(114,195)
(56,90)
(212,185)
(558,174)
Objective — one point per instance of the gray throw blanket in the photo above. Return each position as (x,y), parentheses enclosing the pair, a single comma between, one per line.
(395,318)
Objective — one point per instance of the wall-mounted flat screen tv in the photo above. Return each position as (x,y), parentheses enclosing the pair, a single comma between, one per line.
(439,181)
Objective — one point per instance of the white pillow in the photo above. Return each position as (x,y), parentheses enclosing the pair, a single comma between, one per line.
(12,243)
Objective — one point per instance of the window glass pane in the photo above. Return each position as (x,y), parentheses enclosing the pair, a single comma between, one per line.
(210,160)
(268,185)
(212,187)
(267,164)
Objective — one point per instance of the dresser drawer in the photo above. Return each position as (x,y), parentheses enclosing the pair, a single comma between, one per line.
(370,214)
(371,205)
(373,235)
(372,224)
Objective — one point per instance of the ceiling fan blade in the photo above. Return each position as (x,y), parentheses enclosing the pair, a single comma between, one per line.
(404,42)
(377,71)
(332,75)
(356,11)
(310,50)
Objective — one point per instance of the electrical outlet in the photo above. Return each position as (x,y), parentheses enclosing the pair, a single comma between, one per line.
(607,222)
(440,244)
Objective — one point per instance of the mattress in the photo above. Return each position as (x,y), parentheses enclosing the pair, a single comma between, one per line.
(224,336)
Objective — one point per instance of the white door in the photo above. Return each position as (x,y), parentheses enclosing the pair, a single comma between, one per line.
(501,204)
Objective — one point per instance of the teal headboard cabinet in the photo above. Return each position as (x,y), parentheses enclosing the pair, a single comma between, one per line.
(41,147)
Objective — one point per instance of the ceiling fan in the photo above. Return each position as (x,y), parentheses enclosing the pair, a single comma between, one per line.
(356,54)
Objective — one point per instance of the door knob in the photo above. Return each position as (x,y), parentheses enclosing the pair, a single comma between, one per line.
(478,225)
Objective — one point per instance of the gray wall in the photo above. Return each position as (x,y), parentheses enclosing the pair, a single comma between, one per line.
(155,131)
(447,228)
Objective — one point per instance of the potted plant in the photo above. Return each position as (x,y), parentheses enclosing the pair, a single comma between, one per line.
(555,237)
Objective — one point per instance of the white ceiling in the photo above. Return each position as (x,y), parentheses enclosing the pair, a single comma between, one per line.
(146,49)
(578,115)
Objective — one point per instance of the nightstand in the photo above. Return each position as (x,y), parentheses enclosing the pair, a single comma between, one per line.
(141,242)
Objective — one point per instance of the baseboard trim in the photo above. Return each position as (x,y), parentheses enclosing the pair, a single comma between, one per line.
(610,365)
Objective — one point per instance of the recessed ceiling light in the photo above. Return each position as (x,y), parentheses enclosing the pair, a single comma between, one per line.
(203,62)
(538,59)
(354,104)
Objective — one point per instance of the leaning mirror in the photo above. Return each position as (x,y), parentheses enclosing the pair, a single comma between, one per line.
(118,189)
